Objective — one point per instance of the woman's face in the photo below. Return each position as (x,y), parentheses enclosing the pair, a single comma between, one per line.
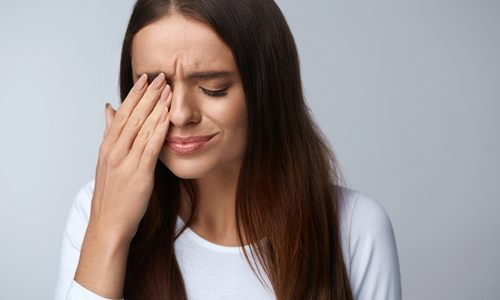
(208,115)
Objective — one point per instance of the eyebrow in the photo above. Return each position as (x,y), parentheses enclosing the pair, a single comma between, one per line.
(196,75)
(211,74)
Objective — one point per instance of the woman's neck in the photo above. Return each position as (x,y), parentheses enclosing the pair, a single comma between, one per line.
(214,218)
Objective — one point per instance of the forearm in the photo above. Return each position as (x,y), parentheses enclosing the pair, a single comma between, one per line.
(133,139)
(103,261)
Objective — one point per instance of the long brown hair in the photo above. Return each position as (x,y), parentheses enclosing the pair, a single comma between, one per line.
(288,184)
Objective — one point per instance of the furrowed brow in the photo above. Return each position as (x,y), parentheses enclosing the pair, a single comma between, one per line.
(210,75)
(196,75)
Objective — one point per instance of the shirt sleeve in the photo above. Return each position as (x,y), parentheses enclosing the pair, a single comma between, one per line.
(78,292)
(373,259)
(76,226)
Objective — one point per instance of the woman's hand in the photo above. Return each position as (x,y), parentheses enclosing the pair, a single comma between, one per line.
(133,139)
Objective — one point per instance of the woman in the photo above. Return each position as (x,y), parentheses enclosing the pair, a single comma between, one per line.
(213,182)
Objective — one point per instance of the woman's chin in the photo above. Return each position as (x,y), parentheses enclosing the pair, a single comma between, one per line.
(185,170)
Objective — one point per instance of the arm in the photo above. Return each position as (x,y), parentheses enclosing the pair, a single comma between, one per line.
(73,235)
(133,139)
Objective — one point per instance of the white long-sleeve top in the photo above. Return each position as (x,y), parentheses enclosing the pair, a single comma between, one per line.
(212,271)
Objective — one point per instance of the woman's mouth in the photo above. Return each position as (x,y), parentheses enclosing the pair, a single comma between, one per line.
(187,145)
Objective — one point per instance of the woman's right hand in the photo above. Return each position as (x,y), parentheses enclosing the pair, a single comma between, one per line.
(133,139)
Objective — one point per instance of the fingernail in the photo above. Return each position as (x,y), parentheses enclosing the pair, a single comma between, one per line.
(108,105)
(158,82)
(164,94)
(139,85)
(168,102)
(164,116)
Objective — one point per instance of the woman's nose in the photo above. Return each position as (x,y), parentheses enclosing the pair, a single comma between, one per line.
(183,109)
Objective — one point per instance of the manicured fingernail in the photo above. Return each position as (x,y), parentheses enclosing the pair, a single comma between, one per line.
(168,102)
(108,105)
(139,85)
(158,82)
(164,116)
(164,94)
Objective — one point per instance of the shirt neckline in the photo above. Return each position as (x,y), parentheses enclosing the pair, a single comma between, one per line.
(188,233)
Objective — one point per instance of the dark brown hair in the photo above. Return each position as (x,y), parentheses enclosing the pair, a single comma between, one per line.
(288,184)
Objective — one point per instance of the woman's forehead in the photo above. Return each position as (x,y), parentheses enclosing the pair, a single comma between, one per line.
(180,46)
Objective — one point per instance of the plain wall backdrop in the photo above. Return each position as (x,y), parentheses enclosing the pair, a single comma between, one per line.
(407,92)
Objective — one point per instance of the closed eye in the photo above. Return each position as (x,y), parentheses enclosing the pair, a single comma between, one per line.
(217,93)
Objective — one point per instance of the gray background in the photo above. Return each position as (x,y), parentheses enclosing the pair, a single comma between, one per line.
(406,91)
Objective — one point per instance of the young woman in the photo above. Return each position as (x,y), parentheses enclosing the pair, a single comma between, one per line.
(213,182)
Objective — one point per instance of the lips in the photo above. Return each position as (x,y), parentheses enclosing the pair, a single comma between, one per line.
(187,145)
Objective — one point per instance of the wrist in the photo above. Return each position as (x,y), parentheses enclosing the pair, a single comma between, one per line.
(110,232)
(103,260)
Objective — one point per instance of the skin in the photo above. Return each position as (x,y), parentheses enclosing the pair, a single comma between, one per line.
(204,97)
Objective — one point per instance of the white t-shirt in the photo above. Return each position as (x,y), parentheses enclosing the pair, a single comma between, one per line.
(212,271)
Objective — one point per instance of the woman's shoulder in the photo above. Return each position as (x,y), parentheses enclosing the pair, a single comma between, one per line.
(86,191)
(83,201)
(79,214)
(74,233)
(362,220)
(369,247)
(360,209)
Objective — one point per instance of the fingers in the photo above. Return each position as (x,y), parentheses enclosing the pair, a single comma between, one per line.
(147,142)
(109,113)
(141,112)
(123,113)
(153,148)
